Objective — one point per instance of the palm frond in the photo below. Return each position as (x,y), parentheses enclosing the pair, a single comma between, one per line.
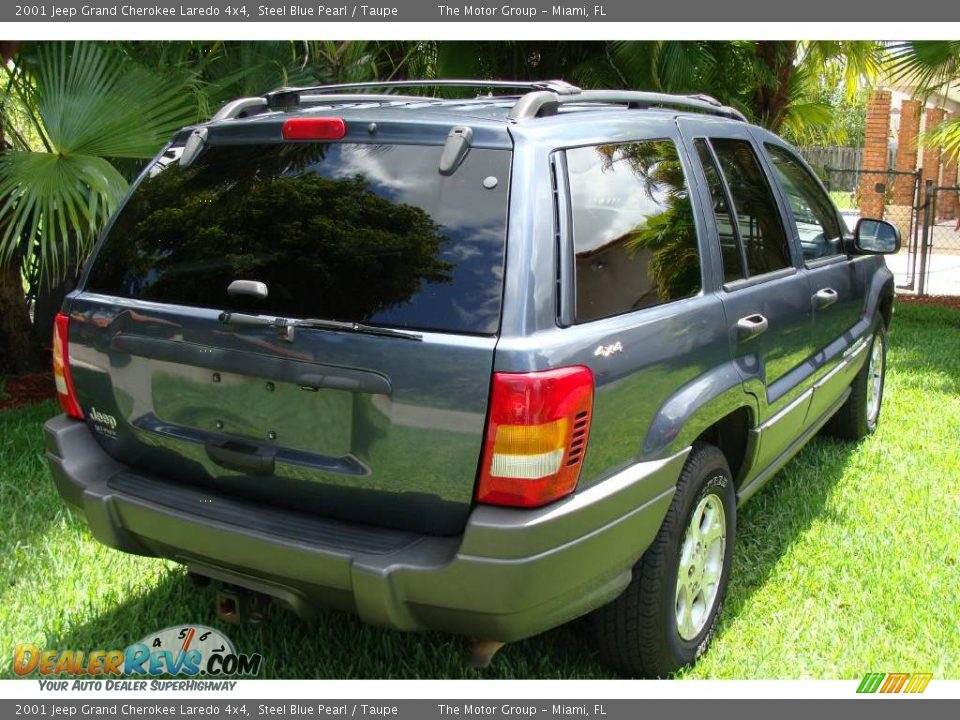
(92,104)
(54,204)
(947,135)
(857,63)
(88,103)
(805,121)
(928,65)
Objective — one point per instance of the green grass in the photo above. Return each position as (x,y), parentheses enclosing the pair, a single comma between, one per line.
(849,561)
(843,200)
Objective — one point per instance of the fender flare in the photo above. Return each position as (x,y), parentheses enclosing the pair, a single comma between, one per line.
(881,287)
(695,407)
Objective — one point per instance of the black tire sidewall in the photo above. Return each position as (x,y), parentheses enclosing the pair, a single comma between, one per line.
(716,481)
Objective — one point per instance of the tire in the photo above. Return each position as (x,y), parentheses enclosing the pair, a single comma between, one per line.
(639,633)
(859,415)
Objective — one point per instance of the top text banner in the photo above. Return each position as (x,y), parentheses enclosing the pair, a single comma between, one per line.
(432,11)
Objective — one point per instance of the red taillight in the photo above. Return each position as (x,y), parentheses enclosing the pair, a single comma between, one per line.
(61,368)
(321,128)
(537,432)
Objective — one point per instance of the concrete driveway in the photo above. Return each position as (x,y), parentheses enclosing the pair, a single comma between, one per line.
(943,259)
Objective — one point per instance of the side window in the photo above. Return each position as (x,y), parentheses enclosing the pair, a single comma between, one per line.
(813,213)
(758,218)
(633,229)
(729,242)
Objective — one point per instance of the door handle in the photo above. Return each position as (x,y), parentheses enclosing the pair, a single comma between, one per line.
(751,326)
(240,456)
(825,298)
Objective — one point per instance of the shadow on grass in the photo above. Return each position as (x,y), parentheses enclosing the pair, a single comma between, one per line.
(780,513)
(332,645)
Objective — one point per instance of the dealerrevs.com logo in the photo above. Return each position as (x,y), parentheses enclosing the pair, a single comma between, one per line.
(187,650)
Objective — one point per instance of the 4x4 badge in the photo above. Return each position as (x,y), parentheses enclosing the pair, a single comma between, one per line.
(608,350)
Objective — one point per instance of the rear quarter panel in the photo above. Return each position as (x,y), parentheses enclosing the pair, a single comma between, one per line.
(673,377)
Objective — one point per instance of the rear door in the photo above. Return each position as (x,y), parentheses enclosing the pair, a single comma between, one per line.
(766,301)
(837,289)
(382,427)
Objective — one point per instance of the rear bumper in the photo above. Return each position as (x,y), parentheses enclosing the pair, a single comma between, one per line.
(512,573)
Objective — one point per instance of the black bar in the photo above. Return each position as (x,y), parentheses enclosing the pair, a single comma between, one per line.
(872,706)
(420,11)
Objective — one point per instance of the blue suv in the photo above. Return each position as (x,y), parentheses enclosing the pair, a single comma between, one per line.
(482,364)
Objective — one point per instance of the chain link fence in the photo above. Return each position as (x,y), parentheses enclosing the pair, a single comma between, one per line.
(939,248)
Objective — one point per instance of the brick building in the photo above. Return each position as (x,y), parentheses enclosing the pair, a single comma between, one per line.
(895,123)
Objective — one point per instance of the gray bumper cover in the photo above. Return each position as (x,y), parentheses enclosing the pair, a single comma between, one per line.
(512,573)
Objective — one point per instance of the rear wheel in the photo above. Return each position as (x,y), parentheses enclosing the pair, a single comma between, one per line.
(859,415)
(666,616)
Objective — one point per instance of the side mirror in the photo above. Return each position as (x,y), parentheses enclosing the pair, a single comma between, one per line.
(876,237)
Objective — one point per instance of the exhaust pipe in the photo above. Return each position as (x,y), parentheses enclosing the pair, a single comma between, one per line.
(481,655)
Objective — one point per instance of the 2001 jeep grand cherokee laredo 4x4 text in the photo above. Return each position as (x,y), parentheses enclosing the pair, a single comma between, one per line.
(482,365)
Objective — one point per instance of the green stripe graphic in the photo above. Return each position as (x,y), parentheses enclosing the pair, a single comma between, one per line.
(870,682)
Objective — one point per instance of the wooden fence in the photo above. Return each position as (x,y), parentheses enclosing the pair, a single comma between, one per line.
(841,158)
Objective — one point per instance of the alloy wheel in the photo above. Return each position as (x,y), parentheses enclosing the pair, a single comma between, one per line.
(700,566)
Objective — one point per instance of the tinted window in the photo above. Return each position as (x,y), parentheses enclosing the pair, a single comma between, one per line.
(365,233)
(729,242)
(758,218)
(813,212)
(633,229)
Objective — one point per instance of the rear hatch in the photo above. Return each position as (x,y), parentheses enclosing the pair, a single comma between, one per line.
(379,419)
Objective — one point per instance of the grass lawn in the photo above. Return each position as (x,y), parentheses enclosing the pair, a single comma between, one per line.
(843,199)
(848,562)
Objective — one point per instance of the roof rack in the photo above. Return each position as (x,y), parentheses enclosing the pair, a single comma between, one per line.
(341,93)
(559,86)
(542,97)
(285,97)
(545,102)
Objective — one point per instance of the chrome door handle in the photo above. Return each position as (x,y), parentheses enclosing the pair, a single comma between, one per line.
(825,298)
(751,326)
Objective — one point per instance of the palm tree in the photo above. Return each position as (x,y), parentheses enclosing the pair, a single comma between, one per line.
(218,71)
(777,84)
(83,117)
(774,83)
(80,108)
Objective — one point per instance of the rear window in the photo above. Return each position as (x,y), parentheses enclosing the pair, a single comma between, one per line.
(356,232)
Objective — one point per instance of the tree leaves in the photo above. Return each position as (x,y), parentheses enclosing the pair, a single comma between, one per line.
(87,104)
(54,205)
(929,65)
(932,67)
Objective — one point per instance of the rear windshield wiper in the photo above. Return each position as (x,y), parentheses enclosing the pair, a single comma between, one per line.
(287,327)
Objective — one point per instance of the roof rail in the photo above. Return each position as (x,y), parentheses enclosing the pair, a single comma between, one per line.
(560,86)
(546,102)
(341,92)
(286,96)
(239,108)
(542,97)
